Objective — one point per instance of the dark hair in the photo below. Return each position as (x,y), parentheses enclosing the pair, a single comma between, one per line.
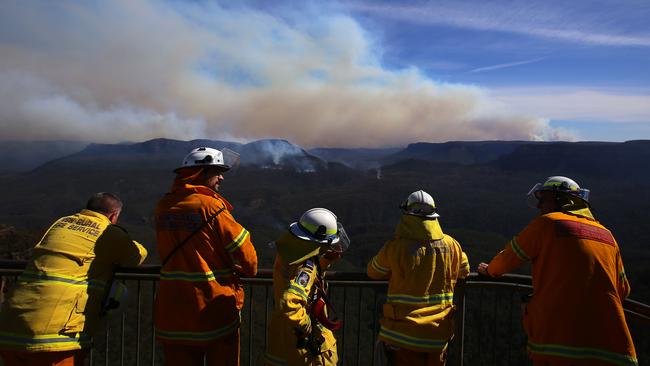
(104,202)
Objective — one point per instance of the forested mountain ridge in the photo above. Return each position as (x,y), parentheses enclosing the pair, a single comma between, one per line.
(479,187)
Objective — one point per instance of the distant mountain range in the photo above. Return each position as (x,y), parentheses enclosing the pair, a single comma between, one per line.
(479,188)
(26,156)
(271,153)
(21,156)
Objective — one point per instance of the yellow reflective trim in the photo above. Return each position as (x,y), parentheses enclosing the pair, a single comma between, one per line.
(582,352)
(400,338)
(199,336)
(194,276)
(64,280)
(313,228)
(294,289)
(557,184)
(518,251)
(436,299)
(377,267)
(49,341)
(238,241)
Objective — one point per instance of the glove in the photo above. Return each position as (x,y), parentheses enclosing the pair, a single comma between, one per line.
(311,342)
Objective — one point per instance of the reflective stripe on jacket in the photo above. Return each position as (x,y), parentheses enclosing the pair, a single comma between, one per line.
(293,287)
(422,265)
(56,302)
(579,284)
(200,296)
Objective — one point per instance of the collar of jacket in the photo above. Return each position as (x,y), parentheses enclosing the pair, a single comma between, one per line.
(578,208)
(294,250)
(418,228)
(96,215)
(204,191)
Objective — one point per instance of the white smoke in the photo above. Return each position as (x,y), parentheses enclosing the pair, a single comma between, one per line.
(279,151)
(121,70)
(35,111)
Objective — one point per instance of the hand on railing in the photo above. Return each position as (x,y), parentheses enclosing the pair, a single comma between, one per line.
(483,269)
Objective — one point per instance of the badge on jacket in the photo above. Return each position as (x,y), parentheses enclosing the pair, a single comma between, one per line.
(302,279)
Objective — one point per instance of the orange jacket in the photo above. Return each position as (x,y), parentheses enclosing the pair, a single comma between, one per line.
(579,284)
(200,296)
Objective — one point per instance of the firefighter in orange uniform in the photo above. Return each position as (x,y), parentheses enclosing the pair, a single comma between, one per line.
(422,265)
(576,315)
(203,252)
(300,332)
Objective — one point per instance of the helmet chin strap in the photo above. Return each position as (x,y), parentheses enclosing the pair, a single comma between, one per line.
(329,243)
(321,309)
(562,200)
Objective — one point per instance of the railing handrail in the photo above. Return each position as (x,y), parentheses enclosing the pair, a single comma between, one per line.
(637,310)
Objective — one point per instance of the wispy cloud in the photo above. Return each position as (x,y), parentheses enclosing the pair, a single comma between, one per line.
(506,65)
(579,104)
(118,70)
(555,20)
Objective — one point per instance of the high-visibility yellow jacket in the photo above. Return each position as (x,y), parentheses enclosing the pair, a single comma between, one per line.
(200,295)
(293,289)
(56,302)
(422,265)
(579,283)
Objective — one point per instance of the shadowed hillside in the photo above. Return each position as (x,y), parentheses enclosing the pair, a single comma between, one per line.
(462,152)
(479,188)
(20,156)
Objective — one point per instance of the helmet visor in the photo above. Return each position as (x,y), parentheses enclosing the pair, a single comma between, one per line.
(532,199)
(583,194)
(230,158)
(343,242)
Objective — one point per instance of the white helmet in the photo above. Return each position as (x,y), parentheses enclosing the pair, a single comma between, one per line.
(319,225)
(557,184)
(420,203)
(207,156)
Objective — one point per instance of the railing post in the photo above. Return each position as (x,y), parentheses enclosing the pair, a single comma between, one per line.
(137,324)
(636,312)
(460,319)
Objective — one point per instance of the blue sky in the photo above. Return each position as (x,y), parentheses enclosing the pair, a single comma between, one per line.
(570,47)
(347,73)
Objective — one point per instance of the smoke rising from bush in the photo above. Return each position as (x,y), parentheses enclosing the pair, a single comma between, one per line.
(130,71)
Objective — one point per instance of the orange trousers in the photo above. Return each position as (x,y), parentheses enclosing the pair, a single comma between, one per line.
(405,357)
(224,352)
(58,358)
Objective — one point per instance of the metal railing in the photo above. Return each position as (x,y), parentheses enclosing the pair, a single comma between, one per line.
(488,329)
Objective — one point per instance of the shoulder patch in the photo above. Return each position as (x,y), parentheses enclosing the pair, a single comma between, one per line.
(309,264)
(302,279)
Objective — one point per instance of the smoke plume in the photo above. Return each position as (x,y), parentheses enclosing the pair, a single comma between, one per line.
(124,70)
